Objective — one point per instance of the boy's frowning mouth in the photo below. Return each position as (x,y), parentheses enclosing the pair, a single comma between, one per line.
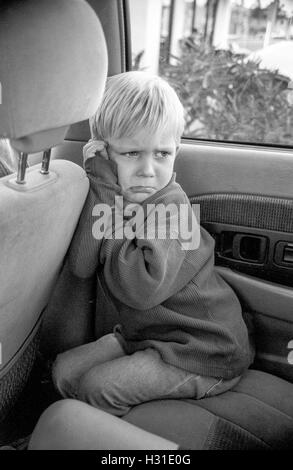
(142,189)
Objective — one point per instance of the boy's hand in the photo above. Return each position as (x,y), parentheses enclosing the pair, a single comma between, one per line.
(97,163)
(94,147)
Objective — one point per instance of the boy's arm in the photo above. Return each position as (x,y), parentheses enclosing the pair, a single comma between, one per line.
(144,272)
(102,174)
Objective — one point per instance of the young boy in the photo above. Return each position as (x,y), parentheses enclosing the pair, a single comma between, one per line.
(178,327)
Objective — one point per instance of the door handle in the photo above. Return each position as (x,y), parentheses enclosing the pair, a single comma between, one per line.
(284,254)
(250,248)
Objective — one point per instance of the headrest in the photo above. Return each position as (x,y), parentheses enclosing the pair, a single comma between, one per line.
(53,68)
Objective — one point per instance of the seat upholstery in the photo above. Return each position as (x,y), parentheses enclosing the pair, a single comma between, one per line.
(257,414)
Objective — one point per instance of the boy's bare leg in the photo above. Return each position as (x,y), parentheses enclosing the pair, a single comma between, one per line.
(70,365)
(74,425)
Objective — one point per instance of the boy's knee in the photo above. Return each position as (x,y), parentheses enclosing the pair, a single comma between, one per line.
(53,425)
(92,390)
(102,394)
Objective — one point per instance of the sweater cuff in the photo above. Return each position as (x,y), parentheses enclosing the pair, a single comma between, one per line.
(99,167)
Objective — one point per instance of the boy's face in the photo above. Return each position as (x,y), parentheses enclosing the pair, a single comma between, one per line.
(144,162)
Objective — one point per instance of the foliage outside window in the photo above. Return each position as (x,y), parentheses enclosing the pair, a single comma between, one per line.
(227,97)
(220,56)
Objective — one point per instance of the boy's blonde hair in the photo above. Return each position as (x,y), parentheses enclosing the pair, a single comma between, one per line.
(135,101)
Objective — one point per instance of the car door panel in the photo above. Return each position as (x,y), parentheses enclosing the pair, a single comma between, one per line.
(269,307)
(214,167)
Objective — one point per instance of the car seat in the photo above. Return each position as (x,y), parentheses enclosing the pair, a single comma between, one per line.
(53,68)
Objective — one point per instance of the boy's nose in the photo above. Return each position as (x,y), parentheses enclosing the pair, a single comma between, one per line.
(146,167)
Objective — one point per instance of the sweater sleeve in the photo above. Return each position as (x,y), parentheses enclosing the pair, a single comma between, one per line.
(145,271)
(85,248)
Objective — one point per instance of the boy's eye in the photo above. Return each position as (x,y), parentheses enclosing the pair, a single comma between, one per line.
(162,154)
(133,154)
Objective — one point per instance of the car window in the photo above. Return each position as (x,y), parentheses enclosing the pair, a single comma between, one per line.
(227,59)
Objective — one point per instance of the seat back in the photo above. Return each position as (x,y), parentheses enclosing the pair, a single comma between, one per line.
(53,68)
(36,225)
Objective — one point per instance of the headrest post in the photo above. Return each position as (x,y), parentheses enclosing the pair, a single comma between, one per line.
(21,169)
(46,162)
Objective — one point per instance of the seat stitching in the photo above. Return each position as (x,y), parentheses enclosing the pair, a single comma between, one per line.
(263,402)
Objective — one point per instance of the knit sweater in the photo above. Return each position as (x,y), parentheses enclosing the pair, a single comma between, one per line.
(151,291)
